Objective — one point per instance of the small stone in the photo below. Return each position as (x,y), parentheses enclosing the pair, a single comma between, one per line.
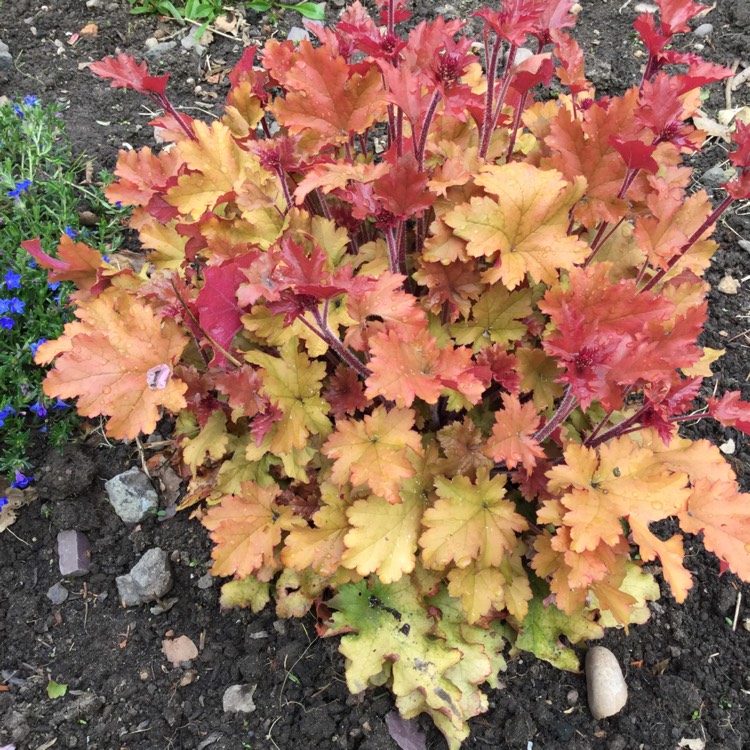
(728,447)
(151,42)
(607,691)
(88,219)
(576,9)
(572,697)
(522,54)
(298,34)
(94,4)
(205,581)
(746,624)
(74,553)
(717,176)
(703,30)
(132,495)
(57,594)
(239,699)
(150,578)
(729,285)
(745,245)
(160,49)
(645,8)
(6,60)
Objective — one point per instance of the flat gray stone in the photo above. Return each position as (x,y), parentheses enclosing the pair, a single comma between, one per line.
(150,578)
(160,49)
(704,30)
(74,553)
(238,699)
(132,495)
(717,176)
(6,59)
(57,594)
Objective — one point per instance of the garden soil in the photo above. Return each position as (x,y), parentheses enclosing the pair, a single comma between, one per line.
(688,668)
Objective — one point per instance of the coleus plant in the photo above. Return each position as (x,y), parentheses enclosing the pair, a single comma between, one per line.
(428,337)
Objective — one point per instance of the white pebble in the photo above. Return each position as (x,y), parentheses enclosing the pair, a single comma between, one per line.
(607,691)
(703,30)
(729,285)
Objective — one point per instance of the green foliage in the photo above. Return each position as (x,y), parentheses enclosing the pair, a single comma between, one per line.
(205,12)
(39,197)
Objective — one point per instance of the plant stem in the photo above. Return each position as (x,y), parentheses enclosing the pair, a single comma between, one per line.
(565,407)
(335,343)
(694,237)
(426,128)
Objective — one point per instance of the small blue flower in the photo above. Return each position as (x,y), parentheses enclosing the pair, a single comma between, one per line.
(105,258)
(3,502)
(21,480)
(60,404)
(21,187)
(7,323)
(39,409)
(4,306)
(5,412)
(118,204)
(18,111)
(12,279)
(35,345)
(53,285)
(70,232)
(17,306)
(30,100)
(32,263)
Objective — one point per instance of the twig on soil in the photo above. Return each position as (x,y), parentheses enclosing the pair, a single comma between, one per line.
(142,456)
(624,5)
(737,612)
(270,729)
(23,541)
(214,30)
(290,671)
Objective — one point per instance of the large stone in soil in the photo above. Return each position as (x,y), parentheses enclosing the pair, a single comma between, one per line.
(239,699)
(606,686)
(132,495)
(150,578)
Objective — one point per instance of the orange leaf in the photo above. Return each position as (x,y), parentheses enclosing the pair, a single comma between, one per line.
(375,451)
(118,361)
(324,96)
(524,229)
(246,529)
(75,262)
(723,515)
(511,439)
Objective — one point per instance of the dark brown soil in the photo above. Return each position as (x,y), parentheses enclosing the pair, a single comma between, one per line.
(688,672)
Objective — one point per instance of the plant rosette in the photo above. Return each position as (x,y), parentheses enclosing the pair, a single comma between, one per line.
(428,337)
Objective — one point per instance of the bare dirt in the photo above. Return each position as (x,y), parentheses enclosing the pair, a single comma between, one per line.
(687,669)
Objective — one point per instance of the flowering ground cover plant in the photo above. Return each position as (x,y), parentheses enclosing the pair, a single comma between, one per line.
(39,194)
(428,338)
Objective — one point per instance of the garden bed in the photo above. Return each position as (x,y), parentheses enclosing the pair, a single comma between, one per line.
(688,668)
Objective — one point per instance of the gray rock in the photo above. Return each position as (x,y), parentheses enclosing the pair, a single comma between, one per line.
(6,60)
(94,4)
(57,594)
(704,30)
(239,699)
(206,581)
(74,553)
(160,49)
(607,691)
(192,42)
(150,578)
(745,245)
(132,495)
(717,176)
(448,11)
(298,34)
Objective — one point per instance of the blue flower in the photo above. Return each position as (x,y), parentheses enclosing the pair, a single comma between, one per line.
(3,502)
(35,345)
(32,263)
(53,285)
(21,187)
(7,323)
(60,404)
(30,100)
(4,306)
(5,412)
(12,279)
(21,480)
(70,232)
(17,306)
(39,409)
(105,258)
(18,110)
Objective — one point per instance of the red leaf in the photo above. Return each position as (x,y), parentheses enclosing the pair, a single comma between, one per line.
(218,310)
(637,154)
(403,190)
(675,14)
(730,411)
(126,73)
